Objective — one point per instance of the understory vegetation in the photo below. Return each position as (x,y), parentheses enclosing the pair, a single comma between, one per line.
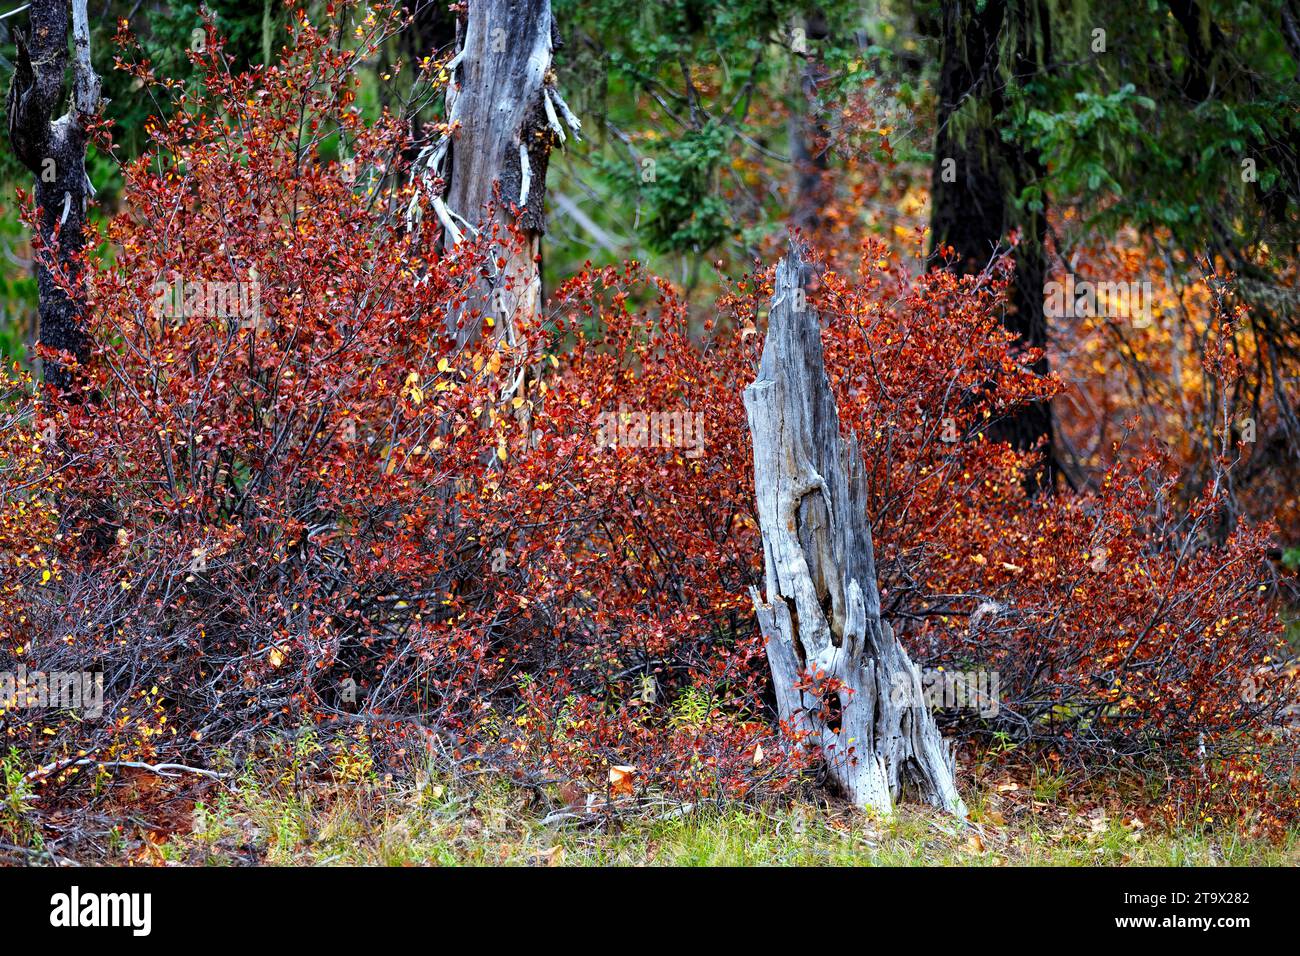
(309,804)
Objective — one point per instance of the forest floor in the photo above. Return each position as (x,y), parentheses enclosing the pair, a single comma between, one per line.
(357,818)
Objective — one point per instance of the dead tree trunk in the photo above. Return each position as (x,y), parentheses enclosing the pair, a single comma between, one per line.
(504,114)
(55,151)
(843,681)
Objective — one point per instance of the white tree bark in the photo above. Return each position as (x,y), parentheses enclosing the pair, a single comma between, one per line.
(843,681)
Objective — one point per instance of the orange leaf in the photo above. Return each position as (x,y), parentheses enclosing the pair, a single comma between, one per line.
(620,780)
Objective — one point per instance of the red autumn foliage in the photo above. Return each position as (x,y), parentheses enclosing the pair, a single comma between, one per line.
(308,506)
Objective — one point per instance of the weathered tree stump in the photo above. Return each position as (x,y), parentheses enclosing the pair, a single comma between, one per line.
(843,681)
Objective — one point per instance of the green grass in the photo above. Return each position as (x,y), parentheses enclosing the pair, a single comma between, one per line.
(372,824)
(308,803)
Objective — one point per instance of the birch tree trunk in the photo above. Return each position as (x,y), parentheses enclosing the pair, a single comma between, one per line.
(55,151)
(843,681)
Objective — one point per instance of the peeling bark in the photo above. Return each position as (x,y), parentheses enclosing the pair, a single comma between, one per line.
(843,681)
(505,117)
(55,151)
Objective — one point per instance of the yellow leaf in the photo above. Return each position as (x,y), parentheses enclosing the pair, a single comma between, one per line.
(552,857)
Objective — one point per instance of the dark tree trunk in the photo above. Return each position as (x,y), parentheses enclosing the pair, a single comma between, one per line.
(55,151)
(968,202)
(808,133)
(1032,427)
(977,178)
(1204,43)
